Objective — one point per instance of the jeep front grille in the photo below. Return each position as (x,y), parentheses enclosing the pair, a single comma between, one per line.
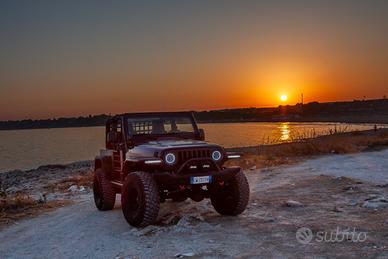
(184,155)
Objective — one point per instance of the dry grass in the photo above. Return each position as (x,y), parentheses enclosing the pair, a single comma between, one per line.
(340,143)
(306,134)
(19,206)
(85,179)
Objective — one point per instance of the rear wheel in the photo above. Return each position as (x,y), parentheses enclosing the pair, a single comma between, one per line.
(103,191)
(232,197)
(140,199)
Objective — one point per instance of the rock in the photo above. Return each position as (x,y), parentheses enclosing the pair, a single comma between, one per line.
(187,221)
(3,193)
(51,196)
(293,204)
(353,202)
(372,197)
(183,255)
(73,188)
(12,189)
(188,224)
(381,199)
(337,209)
(378,203)
(39,198)
(268,219)
(170,219)
(149,230)
(51,167)
(351,188)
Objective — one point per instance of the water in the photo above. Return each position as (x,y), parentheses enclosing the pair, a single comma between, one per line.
(27,149)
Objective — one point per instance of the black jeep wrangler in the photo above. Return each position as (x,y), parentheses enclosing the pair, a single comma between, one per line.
(151,157)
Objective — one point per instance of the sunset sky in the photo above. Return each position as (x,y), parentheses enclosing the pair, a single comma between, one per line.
(70,58)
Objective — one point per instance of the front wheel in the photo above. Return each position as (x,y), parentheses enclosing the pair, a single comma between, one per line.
(140,199)
(232,197)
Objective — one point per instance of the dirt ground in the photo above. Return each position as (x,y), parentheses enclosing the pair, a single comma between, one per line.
(333,206)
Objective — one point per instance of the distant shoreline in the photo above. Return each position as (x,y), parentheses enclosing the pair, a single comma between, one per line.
(224,122)
(365,111)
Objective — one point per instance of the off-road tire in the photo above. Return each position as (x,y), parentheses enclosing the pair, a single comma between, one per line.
(232,197)
(140,199)
(103,191)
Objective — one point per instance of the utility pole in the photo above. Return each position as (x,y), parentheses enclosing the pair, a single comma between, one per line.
(301,103)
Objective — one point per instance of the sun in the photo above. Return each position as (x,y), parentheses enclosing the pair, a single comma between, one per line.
(283,98)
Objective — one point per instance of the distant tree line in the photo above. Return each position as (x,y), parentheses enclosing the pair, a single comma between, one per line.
(355,111)
(96,120)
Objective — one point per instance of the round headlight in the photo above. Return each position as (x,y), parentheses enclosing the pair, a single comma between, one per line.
(170,158)
(216,155)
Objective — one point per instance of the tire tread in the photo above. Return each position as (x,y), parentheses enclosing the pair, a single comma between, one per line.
(106,189)
(151,198)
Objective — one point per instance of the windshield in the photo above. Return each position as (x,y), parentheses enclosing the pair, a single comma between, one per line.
(160,125)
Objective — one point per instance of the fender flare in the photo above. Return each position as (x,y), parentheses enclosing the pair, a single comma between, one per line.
(104,162)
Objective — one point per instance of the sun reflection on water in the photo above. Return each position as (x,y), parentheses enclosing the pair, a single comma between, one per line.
(284,129)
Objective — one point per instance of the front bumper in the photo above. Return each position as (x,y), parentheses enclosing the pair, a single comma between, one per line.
(170,178)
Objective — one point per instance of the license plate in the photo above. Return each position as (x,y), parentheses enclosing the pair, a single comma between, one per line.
(200,179)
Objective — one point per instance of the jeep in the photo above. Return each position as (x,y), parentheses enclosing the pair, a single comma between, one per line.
(154,157)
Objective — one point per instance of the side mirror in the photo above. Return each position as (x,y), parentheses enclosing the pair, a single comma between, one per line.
(201,134)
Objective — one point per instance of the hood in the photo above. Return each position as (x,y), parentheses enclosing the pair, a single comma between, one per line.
(148,149)
(177,143)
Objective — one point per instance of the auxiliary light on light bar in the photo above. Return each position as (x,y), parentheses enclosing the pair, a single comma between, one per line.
(234,156)
(155,161)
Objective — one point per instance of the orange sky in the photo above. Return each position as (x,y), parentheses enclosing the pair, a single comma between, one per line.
(62,59)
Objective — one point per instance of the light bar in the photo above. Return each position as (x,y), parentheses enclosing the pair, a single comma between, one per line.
(234,156)
(156,161)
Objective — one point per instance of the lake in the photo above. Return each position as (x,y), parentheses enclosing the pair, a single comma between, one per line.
(27,149)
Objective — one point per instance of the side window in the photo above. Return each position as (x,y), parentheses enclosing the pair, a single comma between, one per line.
(114,135)
(119,132)
(167,126)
